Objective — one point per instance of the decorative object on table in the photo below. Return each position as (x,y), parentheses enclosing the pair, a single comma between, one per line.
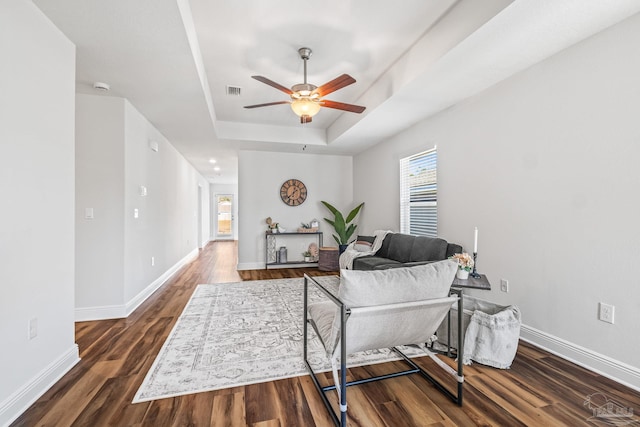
(465,263)
(272,226)
(314,223)
(282,254)
(344,227)
(313,250)
(307,228)
(293,192)
(307,256)
(474,273)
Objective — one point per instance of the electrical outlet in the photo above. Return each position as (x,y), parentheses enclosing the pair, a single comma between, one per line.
(153,261)
(606,312)
(504,285)
(33,328)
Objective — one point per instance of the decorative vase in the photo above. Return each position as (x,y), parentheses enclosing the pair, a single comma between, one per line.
(462,274)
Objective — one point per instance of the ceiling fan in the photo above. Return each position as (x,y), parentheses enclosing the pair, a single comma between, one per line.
(306,99)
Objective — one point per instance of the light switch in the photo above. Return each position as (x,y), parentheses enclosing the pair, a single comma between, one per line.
(88,213)
(135,213)
(143,190)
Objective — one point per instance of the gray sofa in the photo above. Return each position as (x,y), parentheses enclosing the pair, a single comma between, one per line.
(405,250)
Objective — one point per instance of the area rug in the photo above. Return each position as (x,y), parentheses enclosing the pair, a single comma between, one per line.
(234,334)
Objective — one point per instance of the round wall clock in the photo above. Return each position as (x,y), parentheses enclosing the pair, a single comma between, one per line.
(293,192)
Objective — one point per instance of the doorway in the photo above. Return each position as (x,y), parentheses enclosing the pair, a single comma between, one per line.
(224,216)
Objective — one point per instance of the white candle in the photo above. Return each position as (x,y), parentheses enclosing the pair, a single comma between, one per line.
(475,241)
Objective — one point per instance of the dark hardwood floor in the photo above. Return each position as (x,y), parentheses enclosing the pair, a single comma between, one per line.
(539,390)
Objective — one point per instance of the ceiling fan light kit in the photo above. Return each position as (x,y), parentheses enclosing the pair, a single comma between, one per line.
(306,98)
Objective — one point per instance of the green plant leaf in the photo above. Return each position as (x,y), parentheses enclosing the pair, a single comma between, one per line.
(354,212)
(330,222)
(330,207)
(349,232)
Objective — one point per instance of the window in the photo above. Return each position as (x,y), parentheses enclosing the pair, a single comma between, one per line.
(418,194)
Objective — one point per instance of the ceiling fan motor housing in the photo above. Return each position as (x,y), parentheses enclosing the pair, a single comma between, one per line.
(304,89)
(304,52)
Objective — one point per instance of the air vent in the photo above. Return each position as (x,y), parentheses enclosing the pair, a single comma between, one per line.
(234,90)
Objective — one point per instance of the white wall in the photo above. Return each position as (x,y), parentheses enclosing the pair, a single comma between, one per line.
(37,192)
(260,176)
(99,186)
(114,250)
(168,215)
(219,189)
(545,165)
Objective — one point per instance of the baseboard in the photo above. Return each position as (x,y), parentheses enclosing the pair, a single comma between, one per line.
(618,371)
(20,401)
(146,292)
(83,314)
(250,266)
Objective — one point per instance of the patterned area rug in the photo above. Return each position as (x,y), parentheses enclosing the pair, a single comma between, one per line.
(234,334)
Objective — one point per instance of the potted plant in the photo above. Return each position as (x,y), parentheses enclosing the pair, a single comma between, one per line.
(343,227)
(465,264)
(307,256)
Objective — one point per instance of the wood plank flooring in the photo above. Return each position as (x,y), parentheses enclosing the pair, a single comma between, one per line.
(539,390)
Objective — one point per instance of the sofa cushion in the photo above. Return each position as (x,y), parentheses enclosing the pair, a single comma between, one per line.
(383,252)
(400,247)
(369,288)
(428,249)
(322,315)
(452,249)
(374,263)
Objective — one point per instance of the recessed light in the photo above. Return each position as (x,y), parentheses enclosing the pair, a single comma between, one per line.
(216,169)
(212,161)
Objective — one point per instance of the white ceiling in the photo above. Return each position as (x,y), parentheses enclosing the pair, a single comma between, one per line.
(172,59)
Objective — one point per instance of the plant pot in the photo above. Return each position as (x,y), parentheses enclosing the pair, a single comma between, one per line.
(307,259)
(462,274)
(342,248)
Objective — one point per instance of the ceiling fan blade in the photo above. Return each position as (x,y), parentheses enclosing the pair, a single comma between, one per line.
(267,104)
(342,106)
(335,84)
(273,84)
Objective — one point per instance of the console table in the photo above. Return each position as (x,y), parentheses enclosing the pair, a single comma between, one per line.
(271,249)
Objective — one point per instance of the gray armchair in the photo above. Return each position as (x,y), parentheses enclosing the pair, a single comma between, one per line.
(381,309)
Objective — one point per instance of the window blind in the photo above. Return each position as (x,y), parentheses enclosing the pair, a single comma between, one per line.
(418,194)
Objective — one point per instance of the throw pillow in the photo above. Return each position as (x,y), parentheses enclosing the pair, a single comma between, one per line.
(364,243)
(361,288)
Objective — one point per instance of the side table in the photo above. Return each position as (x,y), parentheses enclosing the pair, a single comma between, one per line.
(473,283)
